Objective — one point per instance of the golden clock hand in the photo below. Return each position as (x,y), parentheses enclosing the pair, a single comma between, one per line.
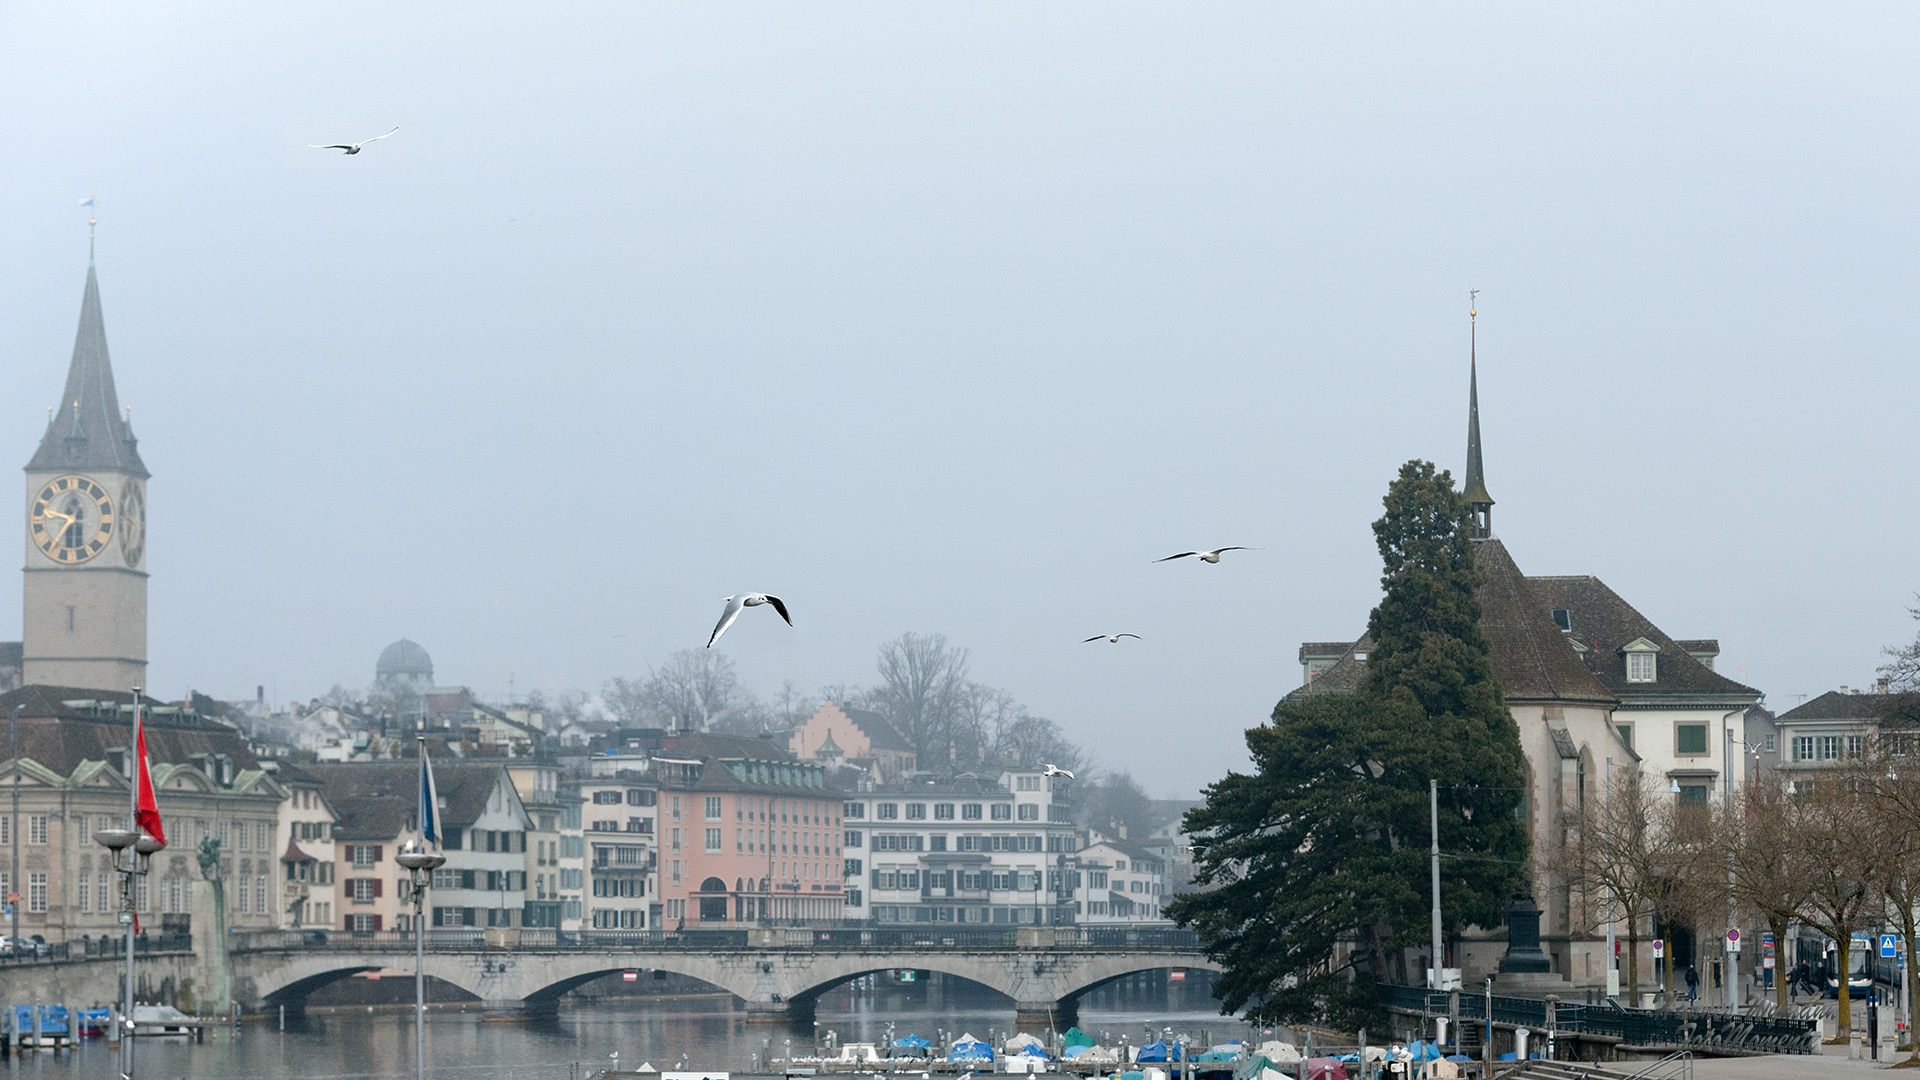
(68,518)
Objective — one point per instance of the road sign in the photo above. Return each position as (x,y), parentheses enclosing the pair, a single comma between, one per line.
(1177,975)
(1733,935)
(629,976)
(1659,948)
(1887,946)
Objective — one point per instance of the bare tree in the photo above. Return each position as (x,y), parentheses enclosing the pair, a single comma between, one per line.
(1902,669)
(1844,844)
(690,692)
(1769,870)
(923,691)
(1614,856)
(1690,873)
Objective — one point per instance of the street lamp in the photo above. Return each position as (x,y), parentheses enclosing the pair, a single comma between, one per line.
(420,863)
(132,854)
(13,826)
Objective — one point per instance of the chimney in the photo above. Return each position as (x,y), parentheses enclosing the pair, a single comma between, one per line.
(1884,684)
(1843,688)
(260,694)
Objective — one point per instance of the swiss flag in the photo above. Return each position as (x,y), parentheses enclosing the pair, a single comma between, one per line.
(147,813)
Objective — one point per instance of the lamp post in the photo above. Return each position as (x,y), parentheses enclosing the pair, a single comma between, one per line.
(13,827)
(420,863)
(132,853)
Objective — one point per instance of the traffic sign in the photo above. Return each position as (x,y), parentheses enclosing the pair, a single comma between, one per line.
(1659,948)
(629,976)
(1733,935)
(1767,940)
(1887,946)
(1177,975)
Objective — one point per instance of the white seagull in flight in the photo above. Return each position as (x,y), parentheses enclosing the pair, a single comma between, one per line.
(1115,638)
(351,148)
(746,600)
(1055,770)
(1204,556)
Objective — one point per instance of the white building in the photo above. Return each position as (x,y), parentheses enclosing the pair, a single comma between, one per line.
(304,838)
(1118,882)
(965,850)
(619,821)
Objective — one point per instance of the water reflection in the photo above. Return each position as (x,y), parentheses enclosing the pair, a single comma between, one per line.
(705,1032)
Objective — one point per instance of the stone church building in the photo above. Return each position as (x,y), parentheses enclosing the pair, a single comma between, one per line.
(1597,690)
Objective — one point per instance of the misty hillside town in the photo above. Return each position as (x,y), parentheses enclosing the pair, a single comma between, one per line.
(684,542)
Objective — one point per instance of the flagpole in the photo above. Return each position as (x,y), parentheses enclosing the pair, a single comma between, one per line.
(133,893)
(420,861)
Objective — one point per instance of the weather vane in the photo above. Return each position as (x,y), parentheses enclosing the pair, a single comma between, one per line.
(1473,296)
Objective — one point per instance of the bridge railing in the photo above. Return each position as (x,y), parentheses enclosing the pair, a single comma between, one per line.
(818,939)
(1634,1027)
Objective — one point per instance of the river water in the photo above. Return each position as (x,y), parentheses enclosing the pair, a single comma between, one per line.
(350,1044)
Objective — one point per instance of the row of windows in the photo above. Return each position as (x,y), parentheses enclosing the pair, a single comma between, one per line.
(917,811)
(622,919)
(624,886)
(631,797)
(938,842)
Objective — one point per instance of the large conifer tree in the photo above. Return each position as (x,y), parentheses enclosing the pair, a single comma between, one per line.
(1319,857)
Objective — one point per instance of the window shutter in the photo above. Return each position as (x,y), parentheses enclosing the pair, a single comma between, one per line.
(376,892)
(376,919)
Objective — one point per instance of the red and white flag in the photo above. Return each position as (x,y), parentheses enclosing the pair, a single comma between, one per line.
(146,815)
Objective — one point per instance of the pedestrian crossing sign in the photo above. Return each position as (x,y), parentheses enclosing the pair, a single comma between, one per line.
(1887,944)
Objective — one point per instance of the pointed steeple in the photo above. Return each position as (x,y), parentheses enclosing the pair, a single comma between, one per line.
(87,430)
(1475,486)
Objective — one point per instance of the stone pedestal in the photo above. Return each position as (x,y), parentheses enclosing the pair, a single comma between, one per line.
(1524,955)
(213,988)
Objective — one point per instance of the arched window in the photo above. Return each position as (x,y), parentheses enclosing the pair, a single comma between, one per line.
(713,885)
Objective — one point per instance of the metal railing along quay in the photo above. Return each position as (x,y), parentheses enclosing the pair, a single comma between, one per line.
(1706,1030)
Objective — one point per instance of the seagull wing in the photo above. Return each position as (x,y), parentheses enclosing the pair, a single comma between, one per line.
(781,607)
(1217,551)
(377,138)
(1065,773)
(1135,637)
(331,146)
(726,619)
(1182,555)
(1096,637)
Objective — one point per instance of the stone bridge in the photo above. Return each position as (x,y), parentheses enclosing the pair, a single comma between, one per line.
(778,973)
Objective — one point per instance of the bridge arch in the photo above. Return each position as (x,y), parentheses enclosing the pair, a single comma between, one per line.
(301,975)
(1099,971)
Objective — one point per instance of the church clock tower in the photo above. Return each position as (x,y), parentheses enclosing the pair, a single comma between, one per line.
(85,594)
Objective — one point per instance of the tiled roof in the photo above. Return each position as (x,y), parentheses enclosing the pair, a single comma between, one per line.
(62,726)
(374,795)
(701,744)
(1345,675)
(1710,646)
(1531,657)
(1310,649)
(1604,622)
(87,430)
(880,733)
(1834,705)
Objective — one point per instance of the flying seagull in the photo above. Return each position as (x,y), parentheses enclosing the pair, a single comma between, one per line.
(351,148)
(1055,770)
(1115,638)
(1204,556)
(746,600)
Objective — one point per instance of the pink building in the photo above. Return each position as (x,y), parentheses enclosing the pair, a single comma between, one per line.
(747,833)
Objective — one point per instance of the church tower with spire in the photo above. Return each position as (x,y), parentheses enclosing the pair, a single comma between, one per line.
(85,594)
(1479,503)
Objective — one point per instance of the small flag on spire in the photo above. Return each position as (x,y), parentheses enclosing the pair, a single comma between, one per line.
(146,816)
(429,802)
(88,201)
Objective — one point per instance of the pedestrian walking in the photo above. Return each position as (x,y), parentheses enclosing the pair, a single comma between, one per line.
(1693,983)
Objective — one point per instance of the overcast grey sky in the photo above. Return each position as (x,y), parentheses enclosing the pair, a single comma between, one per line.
(950,317)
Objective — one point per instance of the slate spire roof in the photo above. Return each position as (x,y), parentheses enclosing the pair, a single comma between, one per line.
(87,430)
(1475,484)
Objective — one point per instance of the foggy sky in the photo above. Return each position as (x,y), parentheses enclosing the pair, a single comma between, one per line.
(951,317)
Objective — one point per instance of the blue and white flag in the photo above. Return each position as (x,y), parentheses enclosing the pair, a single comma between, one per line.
(88,201)
(429,803)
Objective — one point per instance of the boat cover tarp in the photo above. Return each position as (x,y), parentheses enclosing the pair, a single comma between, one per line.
(1075,1037)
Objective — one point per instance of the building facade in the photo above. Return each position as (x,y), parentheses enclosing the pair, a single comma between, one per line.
(304,838)
(976,850)
(1119,883)
(72,781)
(618,828)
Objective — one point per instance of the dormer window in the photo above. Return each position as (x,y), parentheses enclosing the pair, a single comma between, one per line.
(1564,619)
(1642,665)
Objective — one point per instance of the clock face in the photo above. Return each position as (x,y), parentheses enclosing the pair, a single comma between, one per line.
(133,523)
(71,520)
